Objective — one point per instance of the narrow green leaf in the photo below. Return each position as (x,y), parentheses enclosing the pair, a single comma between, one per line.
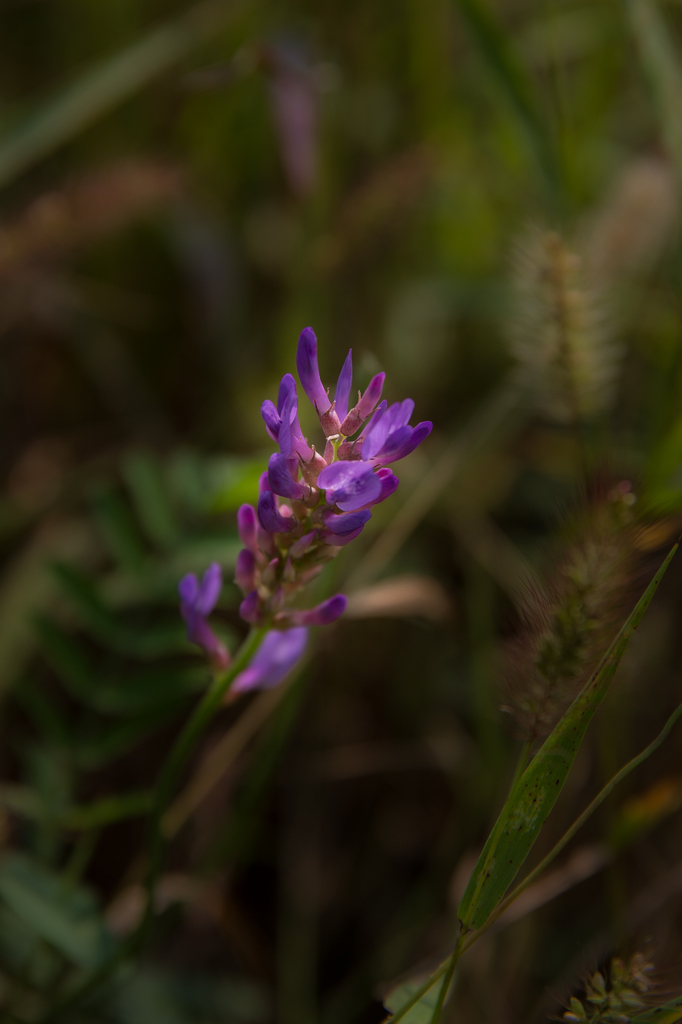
(143,477)
(663,69)
(506,70)
(119,529)
(66,918)
(148,641)
(68,658)
(536,792)
(422,1011)
(667,1013)
(108,810)
(93,751)
(107,85)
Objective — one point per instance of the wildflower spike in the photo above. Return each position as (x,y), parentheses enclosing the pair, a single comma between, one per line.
(329,500)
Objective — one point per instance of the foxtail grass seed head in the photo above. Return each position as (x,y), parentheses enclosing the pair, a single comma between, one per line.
(310,506)
(615,996)
(571,618)
(561,331)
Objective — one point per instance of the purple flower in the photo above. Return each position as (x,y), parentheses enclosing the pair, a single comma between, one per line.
(389,484)
(343,385)
(389,436)
(329,496)
(308,372)
(248,609)
(197,601)
(245,570)
(281,421)
(322,615)
(365,407)
(347,523)
(247,525)
(270,517)
(274,659)
(281,480)
(350,485)
(302,545)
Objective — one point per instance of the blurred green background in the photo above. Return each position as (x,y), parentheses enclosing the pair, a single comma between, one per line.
(183,190)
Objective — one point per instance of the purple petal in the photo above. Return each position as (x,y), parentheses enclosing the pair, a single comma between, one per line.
(323,614)
(300,546)
(343,386)
(248,609)
(246,525)
(263,482)
(287,389)
(201,634)
(375,436)
(271,418)
(188,588)
(349,485)
(245,568)
(281,481)
(371,396)
(274,659)
(399,445)
(347,523)
(269,515)
(389,484)
(209,590)
(336,541)
(359,413)
(306,363)
(285,432)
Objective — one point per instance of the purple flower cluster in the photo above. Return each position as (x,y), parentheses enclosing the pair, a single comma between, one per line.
(310,506)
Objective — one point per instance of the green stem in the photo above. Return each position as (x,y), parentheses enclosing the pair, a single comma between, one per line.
(447,980)
(421,991)
(166,783)
(165,786)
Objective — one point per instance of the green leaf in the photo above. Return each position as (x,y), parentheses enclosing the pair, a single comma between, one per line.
(536,792)
(506,70)
(142,642)
(236,483)
(105,86)
(121,692)
(118,528)
(67,658)
(66,918)
(143,476)
(108,810)
(93,751)
(668,1013)
(663,69)
(422,1011)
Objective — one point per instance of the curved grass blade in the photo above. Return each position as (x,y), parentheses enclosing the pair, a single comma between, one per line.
(513,83)
(663,69)
(668,1013)
(536,792)
(100,90)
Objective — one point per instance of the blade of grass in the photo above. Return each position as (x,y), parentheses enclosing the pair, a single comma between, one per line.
(508,74)
(470,939)
(663,70)
(108,84)
(536,792)
(578,823)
